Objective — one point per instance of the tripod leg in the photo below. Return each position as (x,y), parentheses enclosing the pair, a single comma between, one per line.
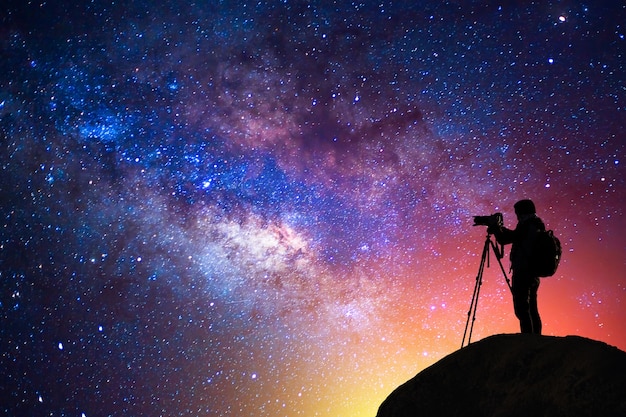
(480,281)
(471,313)
(499,257)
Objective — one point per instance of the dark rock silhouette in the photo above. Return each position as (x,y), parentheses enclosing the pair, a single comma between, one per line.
(518,375)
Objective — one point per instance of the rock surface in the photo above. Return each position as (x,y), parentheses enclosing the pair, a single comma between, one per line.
(518,375)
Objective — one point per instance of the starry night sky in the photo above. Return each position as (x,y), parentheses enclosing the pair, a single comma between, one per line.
(265,208)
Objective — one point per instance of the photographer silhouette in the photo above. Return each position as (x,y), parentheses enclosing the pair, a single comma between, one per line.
(525,282)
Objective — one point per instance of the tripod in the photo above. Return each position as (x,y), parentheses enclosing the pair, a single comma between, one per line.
(499,252)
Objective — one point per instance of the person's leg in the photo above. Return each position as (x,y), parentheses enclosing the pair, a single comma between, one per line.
(533,309)
(521,303)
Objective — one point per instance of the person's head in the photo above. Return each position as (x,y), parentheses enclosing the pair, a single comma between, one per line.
(524,208)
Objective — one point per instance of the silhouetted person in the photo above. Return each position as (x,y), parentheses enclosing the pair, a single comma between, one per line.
(525,282)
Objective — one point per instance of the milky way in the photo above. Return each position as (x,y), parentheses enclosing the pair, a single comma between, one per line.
(265,209)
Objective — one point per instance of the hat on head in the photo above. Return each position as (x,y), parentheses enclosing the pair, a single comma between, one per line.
(524,207)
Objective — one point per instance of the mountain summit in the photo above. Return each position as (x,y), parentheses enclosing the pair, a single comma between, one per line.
(518,375)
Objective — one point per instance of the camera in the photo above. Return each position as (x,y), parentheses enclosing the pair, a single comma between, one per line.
(494,220)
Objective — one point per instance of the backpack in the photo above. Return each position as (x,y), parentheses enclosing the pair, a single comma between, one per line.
(546,253)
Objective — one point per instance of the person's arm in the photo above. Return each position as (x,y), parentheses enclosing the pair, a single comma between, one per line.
(503,235)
